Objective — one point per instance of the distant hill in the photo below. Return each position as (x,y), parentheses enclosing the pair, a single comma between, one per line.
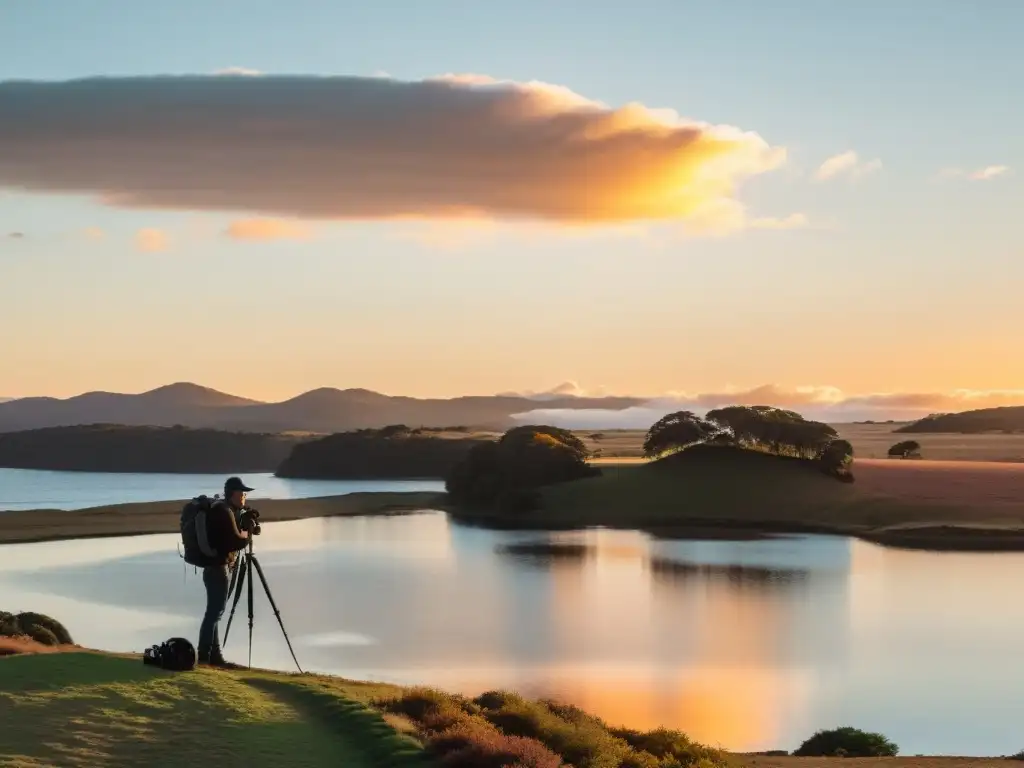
(1006,419)
(115,448)
(392,452)
(320,410)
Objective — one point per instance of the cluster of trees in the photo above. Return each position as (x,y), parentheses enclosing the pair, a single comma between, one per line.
(395,451)
(504,474)
(756,427)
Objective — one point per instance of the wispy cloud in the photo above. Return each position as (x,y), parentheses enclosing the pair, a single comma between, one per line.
(151,240)
(238,72)
(846,163)
(266,229)
(981,174)
(93,233)
(826,403)
(16,235)
(372,148)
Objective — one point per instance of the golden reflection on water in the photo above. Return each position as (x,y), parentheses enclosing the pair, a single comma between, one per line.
(733,621)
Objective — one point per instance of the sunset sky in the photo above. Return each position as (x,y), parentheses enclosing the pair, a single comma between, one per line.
(658,198)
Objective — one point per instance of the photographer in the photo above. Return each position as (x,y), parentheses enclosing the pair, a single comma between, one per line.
(229,525)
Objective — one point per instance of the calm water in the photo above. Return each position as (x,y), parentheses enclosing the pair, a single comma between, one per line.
(36,489)
(751,645)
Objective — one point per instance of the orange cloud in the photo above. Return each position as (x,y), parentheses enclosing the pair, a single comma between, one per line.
(373,148)
(151,240)
(266,229)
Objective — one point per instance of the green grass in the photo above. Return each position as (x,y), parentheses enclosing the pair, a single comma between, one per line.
(719,484)
(97,710)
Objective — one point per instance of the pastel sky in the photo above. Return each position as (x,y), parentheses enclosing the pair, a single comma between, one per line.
(652,198)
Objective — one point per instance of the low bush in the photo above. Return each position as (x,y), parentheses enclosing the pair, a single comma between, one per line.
(481,745)
(501,728)
(668,744)
(847,742)
(41,628)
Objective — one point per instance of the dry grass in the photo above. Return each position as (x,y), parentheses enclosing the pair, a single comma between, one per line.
(980,484)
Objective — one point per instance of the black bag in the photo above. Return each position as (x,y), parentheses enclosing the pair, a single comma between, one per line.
(198,549)
(176,654)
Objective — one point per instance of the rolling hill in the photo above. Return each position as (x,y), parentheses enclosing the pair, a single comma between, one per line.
(1005,419)
(320,410)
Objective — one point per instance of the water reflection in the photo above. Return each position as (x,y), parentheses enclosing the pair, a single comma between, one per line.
(750,644)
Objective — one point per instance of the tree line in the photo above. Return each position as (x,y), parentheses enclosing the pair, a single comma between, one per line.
(761,428)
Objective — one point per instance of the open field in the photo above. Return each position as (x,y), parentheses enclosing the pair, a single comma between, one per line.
(868,441)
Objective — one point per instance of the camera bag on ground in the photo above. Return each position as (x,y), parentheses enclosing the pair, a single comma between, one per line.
(198,550)
(176,654)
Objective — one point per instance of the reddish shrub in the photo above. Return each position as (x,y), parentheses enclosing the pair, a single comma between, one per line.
(477,744)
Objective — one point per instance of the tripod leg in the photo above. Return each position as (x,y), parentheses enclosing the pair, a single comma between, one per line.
(240,573)
(277,613)
(249,564)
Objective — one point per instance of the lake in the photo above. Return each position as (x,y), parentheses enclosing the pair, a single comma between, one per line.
(750,645)
(37,489)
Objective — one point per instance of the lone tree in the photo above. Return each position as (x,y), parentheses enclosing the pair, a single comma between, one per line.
(847,742)
(677,431)
(906,449)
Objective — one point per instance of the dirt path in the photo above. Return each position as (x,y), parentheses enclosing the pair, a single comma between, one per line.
(86,709)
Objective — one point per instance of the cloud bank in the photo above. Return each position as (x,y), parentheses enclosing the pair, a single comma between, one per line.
(371,148)
(822,403)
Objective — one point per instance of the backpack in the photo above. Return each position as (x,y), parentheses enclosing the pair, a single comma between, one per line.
(176,655)
(194,537)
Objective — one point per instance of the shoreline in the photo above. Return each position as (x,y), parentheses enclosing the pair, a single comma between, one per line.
(158,517)
(152,517)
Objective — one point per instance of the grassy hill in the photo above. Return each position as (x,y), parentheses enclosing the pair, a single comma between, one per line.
(1008,419)
(715,484)
(120,448)
(84,708)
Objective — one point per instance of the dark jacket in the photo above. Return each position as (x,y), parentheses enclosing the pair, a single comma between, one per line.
(223,532)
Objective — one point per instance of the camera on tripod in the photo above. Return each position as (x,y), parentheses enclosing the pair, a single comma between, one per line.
(249,520)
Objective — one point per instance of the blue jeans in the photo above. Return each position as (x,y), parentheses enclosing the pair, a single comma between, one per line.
(215,579)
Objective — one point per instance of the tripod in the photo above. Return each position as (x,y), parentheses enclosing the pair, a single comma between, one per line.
(243,567)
